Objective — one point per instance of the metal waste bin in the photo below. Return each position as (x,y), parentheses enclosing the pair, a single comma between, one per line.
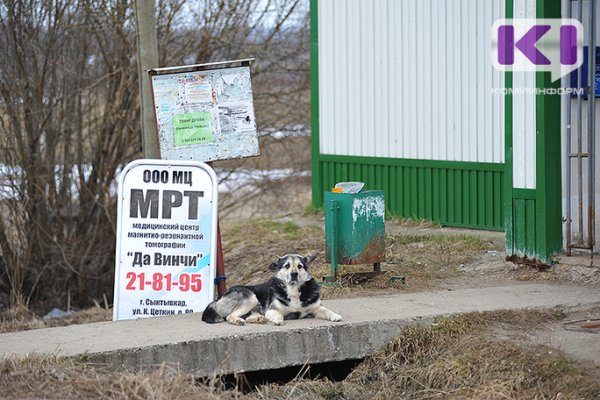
(354,228)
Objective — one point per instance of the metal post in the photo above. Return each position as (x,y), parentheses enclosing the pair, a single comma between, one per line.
(586,242)
(221,278)
(591,123)
(147,56)
(579,144)
(568,166)
(334,238)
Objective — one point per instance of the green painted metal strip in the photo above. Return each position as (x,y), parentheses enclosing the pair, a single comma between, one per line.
(540,114)
(519,225)
(530,229)
(473,197)
(498,199)
(489,197)
(429,200)
(401,191)
(414,197)
(392,194)
(379,176)
(420,192)
(458,192)
(406,192)
(465,196)
(331,177)
(508,152)
(451,197)
(548,145)
(435,195)
(481,209)
(317,178)
(443,195)
(386,184)
(529,194)
(344,173)
(410,162)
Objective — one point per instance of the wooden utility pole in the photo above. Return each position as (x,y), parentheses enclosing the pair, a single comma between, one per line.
(147,56)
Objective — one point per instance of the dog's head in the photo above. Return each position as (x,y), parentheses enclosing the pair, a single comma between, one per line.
(292,268)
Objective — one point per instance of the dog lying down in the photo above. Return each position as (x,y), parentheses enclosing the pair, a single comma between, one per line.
(291,293)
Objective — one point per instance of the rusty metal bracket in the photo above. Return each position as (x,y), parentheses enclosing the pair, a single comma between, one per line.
(527,261)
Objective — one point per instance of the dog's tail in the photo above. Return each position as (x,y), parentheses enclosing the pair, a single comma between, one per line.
(211,315)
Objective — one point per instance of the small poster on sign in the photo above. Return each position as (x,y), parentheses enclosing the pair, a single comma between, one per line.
(192,128)
(166,238)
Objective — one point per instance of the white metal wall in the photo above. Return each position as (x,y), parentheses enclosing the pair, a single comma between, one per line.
(524,113)
(410,79)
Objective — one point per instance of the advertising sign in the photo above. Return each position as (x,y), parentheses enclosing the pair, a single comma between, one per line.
(204,112)
(166,239)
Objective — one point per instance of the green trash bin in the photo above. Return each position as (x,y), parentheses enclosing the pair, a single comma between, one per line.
(354,228)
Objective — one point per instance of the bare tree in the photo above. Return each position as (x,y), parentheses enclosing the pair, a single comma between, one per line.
(69,116)
(68,96)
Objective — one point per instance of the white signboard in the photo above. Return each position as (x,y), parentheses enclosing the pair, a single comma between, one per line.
(166,239)
(205,112)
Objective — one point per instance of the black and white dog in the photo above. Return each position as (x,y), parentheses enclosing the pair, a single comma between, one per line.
(291,293)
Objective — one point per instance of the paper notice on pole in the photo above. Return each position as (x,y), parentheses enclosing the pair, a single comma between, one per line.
(193,128)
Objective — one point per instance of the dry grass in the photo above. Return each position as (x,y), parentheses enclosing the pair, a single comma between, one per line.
(55,378)
(459,358)
(250,247)
(427,260)
(423,260)
(412,223)
(22,319)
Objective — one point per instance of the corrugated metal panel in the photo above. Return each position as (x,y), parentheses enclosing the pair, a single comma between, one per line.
(524,131)
(524,228)
(451,193)
(410,79)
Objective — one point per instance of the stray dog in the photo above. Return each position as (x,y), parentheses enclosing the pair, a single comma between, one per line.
(291,293)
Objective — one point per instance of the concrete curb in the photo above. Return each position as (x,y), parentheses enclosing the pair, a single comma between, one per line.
(205,350)
(261,351)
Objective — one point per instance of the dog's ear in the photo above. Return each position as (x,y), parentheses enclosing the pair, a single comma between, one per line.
(310,259)
(275,266)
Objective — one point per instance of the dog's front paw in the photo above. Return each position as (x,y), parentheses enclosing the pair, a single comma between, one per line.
(236,320)
(335,317)
(274,316)
(257,319)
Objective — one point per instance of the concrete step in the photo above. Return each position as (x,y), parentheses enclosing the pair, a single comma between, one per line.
(204,349)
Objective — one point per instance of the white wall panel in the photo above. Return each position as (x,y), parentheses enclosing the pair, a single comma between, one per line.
(410,79)
(524,113)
